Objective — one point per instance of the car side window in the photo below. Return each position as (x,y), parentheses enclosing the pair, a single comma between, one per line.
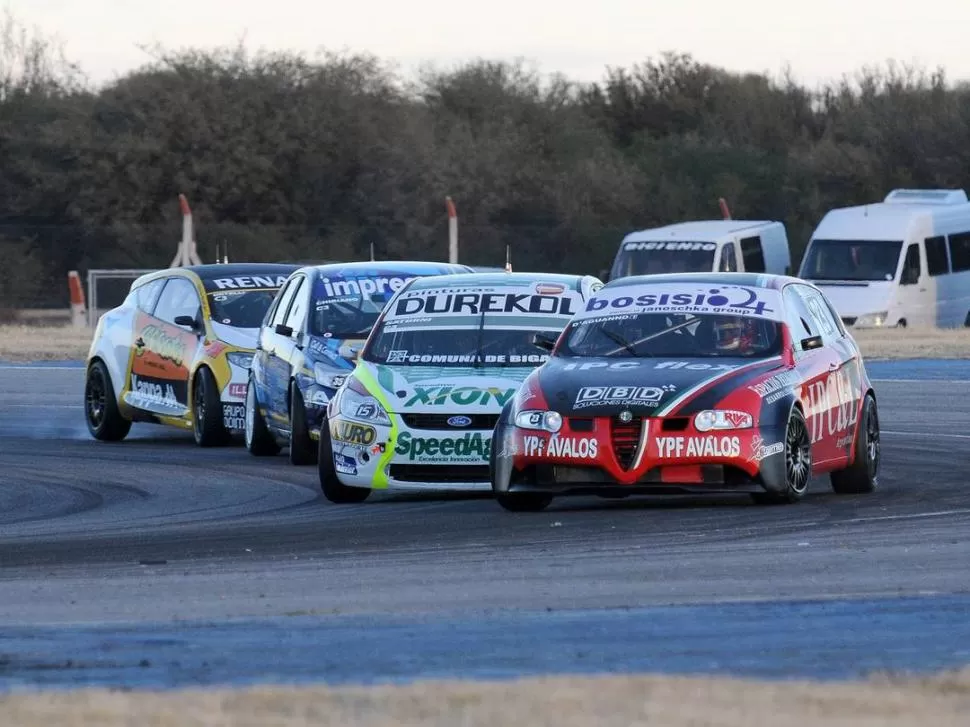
(179,298)
(820,312)
(283,305)
(147,295)
(800,321)
(297,315)
(754,256)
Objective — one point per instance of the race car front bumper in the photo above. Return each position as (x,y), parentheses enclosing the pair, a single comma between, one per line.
(659,455)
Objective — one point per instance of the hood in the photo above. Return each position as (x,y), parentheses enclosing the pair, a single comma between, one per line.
(437,390)
(857,298)
(591,387)
(239,337)
(336,353)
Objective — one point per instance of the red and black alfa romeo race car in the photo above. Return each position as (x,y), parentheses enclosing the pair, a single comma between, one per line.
(697,382)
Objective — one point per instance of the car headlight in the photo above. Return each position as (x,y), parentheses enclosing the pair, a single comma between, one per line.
(240,359)
(325,377)
(546,421)
(362,407)
(705,421)
(872,319)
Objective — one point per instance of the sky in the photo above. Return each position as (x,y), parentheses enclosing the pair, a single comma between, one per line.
(819,40)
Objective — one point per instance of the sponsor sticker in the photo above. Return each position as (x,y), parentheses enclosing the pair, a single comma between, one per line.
(460,395)
(590,365)
(729,299)
(364,287)
(760,450)
(833,406)
(444,449)
(709,446)
(237,391)
(163,393)
(250,282)
(556,446)
(403,357)
(674,365)
(628,396)
(352,433)
(436,302)
(778,383)
(344,465)
(234,416)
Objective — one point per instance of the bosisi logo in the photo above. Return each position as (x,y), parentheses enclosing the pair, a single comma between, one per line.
(459,421)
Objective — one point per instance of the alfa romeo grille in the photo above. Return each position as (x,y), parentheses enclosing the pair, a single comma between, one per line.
(625,438)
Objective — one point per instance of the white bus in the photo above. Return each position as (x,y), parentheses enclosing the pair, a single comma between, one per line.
(704,246)
(902,262)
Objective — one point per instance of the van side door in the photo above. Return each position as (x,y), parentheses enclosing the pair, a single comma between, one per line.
(916,303)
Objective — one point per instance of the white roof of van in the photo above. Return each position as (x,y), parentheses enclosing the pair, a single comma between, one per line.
(881,221)
(699,230)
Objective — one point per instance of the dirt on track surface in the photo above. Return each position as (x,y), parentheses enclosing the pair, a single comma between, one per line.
(940,701)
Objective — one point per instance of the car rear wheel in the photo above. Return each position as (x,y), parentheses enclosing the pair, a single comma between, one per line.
(101,413)
(208,426)
(333,489)
(798,463)
(302,449)
(259,441)
(863,474)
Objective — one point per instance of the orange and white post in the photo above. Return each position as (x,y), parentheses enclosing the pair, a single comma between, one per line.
(452,231)
(78,303)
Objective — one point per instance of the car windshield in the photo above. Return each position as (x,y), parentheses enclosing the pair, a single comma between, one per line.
(241,308)
(683,335)
(492,347)
(657,258)
(851,260)
(341,311)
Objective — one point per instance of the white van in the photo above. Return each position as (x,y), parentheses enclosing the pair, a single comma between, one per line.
(904,261)
(704,246)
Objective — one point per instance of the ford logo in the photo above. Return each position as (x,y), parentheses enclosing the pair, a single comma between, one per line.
(459,421)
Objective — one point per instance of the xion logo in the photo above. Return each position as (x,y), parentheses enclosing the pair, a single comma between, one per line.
(555,446)
(364,286)
(250,281)
(471,445)
(691,246)
(352,433)
(744,300)
(476,303)
(461,395)
(162,345)
(709,446)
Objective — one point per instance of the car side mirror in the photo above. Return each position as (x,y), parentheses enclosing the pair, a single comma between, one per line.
(187,321)
(283,330)
(543,341)
(811,343)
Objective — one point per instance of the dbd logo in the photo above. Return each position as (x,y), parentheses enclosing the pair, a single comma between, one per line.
(620,396)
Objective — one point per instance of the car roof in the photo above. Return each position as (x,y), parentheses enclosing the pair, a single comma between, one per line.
(696,230)
(754,280)
(367,267)
(213,271)
(502,278)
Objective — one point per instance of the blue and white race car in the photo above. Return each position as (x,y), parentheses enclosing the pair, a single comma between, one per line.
(443,359)
(307,344)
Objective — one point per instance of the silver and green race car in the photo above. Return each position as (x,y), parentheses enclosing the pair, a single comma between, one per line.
(442,360)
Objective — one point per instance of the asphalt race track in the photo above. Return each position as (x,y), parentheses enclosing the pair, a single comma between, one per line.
(153,562)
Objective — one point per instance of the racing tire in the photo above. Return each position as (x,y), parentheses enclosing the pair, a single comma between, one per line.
(523,501)
(259,441)
(798,463)
(101,412)
(207,424)
(302,449)
(333,490)
(862,475)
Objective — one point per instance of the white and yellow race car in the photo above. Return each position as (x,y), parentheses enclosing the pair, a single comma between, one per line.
(177,351)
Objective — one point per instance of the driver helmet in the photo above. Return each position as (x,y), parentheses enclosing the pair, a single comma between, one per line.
(737,334)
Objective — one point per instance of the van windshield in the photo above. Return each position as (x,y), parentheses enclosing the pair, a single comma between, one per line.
(658,257)
(851,260)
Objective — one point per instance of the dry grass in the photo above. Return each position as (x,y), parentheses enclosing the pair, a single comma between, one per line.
(913,342)
(19,342)
(940,701)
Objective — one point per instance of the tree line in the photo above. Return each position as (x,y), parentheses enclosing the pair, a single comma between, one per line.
(290,157)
